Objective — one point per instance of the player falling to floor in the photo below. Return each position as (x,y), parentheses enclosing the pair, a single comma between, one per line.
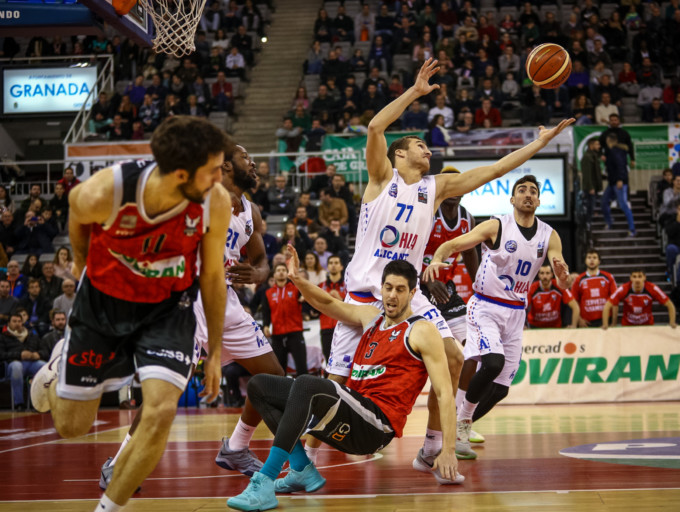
(242,339)
(141,227)
(450,221)
(513,248)
(397,211)
(397,352)
(637,296)
(545,299)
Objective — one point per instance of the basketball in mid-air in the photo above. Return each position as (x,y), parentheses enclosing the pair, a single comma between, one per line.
(548,65)
(122,7)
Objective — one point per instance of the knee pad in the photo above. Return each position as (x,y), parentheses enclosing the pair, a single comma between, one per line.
(492,364)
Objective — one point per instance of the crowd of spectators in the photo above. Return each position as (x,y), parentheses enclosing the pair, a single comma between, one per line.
(365,62)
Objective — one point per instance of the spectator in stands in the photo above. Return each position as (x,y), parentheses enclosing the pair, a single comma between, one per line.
(68,180)
(50,285)
(211,20)
(323,27)
(32,267)
(295,236)
(545,301)
(674,110)
(591,290)
(315,272)
(486,111)
(617,187)
(118,130)
(38,308)
(582,110)
(222,93)
(33,194)
(628,82)
(56,333)
(343,26)
(384,24)
(672,229)
(63,264)
(670,201)
(281,197)
(306,224)
(509,62)
(364,24)
(8,228)
(656,112)
(19,353)
(380,56)
(648,92)
(466,123)
(323,103)
(193,108)
(637,295)
(35,235)
(244,43)
(173,105)
(314,62)
(447,20)
(149,113)
(332,208)
(606,84)
(282,319)
(301,98)
(336,240)
(17,281)
(235,64)
(597,54)
(649,74)
(621,134)
(321,250)
(6,202)
(373,100)
(202,92)
(579,80)
(136,90)
(157,90)
(64,302)
(271,244)
(304,200)
(488,90)
(664,183)
(591,177)
(605,109)
(301,119)
(414,118)
(441,109)
(8,303)
(440,136)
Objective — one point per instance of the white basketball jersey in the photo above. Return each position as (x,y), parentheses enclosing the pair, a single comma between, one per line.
(240,231)
(507,272)
(394,226)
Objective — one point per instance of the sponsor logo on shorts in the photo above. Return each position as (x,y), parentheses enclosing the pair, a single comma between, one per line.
(367,371)
(170,354)
(340,432)
(89,379)
(511,246)
(441,325)
(90,359)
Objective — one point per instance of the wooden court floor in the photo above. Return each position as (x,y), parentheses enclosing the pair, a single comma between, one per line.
(519,467)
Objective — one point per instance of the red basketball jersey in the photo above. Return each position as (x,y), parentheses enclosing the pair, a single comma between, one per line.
(637,307)
(591,293)
(388,371)
(138,259)
(441,233)
(285,308)
(326,322)
(545,306)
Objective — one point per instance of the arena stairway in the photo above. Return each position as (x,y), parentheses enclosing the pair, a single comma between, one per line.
(620,254)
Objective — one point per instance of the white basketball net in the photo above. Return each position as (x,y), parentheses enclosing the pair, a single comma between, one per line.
(175,23)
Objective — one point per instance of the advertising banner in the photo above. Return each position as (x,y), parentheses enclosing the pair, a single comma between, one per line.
(45,90)
(621,364)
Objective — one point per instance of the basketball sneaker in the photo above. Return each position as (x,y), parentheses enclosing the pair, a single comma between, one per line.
(43,379)
(309,480)
(424,464)
(476,437)
(243,460)
(107,474)
(463,449)
(259,495)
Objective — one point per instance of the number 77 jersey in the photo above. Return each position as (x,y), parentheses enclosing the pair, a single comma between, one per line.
(394,226)
(507,270)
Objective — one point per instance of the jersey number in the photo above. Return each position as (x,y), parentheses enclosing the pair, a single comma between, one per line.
(523,268)
(231,239)
(373,345)
(149,243)
(402,207)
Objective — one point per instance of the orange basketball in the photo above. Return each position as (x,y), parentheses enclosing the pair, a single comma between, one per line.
(548,65)
(122,7)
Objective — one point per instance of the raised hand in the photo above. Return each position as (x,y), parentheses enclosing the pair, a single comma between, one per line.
(432,271)
(546,135)
(428,70)
(292,261)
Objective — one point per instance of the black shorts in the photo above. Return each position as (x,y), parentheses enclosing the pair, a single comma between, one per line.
(109,339)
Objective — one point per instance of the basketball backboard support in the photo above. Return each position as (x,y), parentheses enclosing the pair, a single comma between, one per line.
(28,18)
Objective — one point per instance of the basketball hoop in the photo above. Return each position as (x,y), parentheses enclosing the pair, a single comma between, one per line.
(175,23)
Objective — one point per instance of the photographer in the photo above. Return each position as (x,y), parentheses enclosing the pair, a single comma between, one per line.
(36,235)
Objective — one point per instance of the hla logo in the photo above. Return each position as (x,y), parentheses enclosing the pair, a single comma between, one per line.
(367,371)
(594,369)
(501,187)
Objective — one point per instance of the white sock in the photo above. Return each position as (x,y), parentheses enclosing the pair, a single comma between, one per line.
(241,436)
(312,453)
(120,450)
(106,505)
(460,396)
(433,442)
(466,412)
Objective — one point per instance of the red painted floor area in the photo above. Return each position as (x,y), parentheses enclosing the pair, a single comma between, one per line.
(33,467)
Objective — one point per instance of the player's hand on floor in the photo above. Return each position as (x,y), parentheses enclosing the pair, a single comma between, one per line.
(447,464)
(432,271)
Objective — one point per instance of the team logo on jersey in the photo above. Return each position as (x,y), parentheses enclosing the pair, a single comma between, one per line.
(541,248)
(509,279)
(249,228)
(389,236)
(168,267)
(190,225)
(422,195)
(128,221)
(463,229)
(438,228)
(393,190)
(394,335)
(511,246)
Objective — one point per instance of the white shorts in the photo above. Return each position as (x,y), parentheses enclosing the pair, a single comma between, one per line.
(242,337)
(458,328)
(494,329)
(346,337)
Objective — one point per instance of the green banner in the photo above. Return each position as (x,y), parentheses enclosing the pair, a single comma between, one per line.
(647,156)
(349,153)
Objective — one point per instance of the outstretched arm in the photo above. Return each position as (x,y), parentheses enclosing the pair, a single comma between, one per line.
(451,185)
(379,167)
(320,300)
(671,313)
(560,268)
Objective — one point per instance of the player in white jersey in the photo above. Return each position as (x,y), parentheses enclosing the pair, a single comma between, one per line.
(513,249)
(242,339)
(397,211)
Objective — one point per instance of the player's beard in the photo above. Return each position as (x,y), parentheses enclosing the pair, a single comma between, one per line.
(397,313)
(244,180)
(190,192)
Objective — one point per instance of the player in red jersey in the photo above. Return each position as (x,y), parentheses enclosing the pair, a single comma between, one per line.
(545,301)
(637,295)
(282,310)
(591,290)
(394,357)
(335,286)
(140,226)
